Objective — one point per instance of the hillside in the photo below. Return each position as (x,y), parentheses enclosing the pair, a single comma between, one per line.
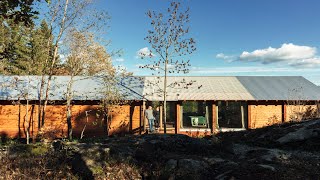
(287,151)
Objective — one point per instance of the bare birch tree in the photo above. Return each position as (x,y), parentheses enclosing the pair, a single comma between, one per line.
(57,18)
(112,95)
(86,58)
(170,45)
(64,15)
(24,87)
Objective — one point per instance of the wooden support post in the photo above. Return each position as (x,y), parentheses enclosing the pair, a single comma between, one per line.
(161,115)
(249,116)
(242,117)
(284,112)
(178,118)
(181,116)
(143,118)
(132,108)
(214,118)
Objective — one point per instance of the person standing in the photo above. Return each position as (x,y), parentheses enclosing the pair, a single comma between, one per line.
(150,117)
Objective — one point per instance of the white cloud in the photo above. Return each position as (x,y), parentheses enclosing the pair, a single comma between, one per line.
(237,70)
(311,74)
(294,55)
(287,52)
(144,52)
(220,56)
(225,57)
(119,60)
(307,63)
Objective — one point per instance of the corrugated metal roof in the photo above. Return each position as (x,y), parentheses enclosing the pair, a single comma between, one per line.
(149,88)
(201,88)
(280,87)
(231,88)
(84,88)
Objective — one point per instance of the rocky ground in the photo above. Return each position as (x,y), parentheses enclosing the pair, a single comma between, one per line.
(287,151)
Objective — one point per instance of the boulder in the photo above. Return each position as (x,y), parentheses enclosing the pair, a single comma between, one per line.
(215,160)
(271,168)
(192,165)
(273,154)
(299,135)
(171,165)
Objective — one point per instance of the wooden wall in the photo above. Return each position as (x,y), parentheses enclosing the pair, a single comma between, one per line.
(136,112)
(264,115)
(14,122)
(122,119)
(55,123)
(298,112)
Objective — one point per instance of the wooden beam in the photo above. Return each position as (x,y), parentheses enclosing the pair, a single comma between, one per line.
(269,102)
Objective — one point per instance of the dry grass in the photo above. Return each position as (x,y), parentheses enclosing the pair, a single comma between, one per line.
(34,162)
(40,161)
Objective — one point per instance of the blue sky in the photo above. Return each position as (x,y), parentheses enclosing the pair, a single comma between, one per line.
(234,37)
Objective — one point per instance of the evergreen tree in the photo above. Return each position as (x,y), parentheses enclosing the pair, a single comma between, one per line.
(41,49)
(15,49)
(24,50)
(19,11)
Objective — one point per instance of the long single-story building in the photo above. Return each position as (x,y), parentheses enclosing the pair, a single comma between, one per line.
(195,104)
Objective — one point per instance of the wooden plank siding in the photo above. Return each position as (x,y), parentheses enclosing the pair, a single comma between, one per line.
(298,112)
(55,125)
(135,116)
(264,113)
(13,122)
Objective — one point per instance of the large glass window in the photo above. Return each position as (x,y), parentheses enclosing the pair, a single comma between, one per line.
(195,114)
(232,114)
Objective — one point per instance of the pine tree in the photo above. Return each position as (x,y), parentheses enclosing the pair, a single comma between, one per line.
(19,11)
(41,50)
(15,50)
